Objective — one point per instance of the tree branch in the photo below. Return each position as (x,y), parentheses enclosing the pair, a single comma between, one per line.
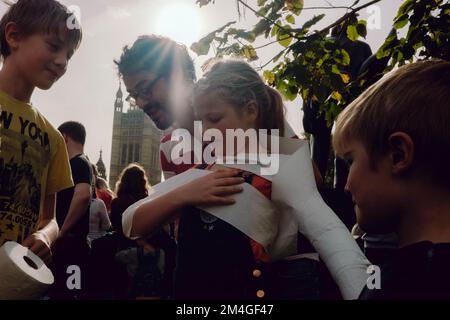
(347,15)
(268,62)
(332,7)
(268,19)
(265,45)
(326,29)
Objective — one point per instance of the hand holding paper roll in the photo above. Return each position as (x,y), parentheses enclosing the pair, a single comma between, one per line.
(23,276)
(38,244)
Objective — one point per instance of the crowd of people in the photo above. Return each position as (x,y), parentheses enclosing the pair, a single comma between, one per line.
(394,138)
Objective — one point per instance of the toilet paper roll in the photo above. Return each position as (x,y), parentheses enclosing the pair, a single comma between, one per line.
(23,275)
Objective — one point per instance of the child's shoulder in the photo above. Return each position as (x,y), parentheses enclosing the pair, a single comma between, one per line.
(28,118)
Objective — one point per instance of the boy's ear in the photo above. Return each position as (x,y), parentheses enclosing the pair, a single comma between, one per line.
(401,149)
(65,136)
(12,35)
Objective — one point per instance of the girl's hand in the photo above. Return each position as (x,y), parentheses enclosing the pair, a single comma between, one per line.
(213,189)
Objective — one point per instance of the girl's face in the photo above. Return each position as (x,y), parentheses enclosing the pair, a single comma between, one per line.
(216,113)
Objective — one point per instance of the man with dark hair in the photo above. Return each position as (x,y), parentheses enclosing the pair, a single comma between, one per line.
(153,70)
(72,213)
(75,131)
(159,75)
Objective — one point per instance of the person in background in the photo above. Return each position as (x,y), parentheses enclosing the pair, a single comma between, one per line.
(150,261)
(99,222)
(72,213)
(103,192)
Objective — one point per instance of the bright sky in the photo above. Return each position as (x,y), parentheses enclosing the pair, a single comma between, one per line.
(86,93)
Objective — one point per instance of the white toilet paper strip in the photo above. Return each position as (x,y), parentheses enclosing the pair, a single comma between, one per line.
(296,206)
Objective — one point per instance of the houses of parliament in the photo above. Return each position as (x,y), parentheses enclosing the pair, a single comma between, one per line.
(135,139)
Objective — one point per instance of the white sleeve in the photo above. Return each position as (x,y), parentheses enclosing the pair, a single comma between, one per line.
(336,247)
(127,218)
(295,187)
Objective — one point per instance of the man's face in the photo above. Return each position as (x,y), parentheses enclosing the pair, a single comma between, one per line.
(150,92)
(42,59)
(374,192)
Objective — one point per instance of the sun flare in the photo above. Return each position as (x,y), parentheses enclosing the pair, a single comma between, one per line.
(180,22)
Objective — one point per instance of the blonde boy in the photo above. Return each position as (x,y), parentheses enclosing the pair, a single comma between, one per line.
(36,45)
(396,139)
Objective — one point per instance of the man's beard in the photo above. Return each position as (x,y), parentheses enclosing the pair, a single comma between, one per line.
(160,115)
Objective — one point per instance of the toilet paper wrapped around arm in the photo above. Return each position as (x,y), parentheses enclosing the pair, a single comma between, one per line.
(23,275)
(253,214)
(296,206)
(294,189)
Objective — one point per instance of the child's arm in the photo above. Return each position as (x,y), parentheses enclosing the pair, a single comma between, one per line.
(212,189)
(41,241)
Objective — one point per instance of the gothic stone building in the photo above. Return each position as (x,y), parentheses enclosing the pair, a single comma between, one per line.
(135,139)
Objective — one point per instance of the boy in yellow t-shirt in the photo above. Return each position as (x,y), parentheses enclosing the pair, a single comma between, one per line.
(36,45)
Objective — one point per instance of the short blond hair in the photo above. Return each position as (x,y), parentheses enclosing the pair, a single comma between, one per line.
(39,16)
(414,99)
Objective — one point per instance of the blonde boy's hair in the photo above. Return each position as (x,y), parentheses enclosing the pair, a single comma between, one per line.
(414,99)
(39,16)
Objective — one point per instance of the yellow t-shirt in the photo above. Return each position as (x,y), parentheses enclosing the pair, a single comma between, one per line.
(33,164)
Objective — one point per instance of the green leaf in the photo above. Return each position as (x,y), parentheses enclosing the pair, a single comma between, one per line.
(261,27)
(249,36)
(345,58)
(336,96)
(352,33)
(295,6)
(401,22)
(310,54)
(383,53)
(269,76)
(364,22)
(274,30)
(290,18)
(261,2)
(202,46)
(398,56)
(308,24)
(305,93)
(285,40)
(345,78)
(405,7)
(335,69)
(250,53)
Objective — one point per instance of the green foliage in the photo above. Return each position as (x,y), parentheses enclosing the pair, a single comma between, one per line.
(312,65)
(428,34)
